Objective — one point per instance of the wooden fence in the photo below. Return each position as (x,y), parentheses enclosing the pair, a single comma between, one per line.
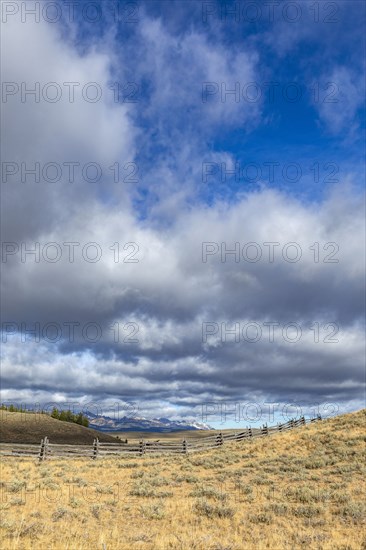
(47,450)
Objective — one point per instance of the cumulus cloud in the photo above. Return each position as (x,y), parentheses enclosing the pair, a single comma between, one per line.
(163,304)
(72,129)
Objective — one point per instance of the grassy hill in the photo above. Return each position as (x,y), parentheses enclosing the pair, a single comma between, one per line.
(16,427)
(302,489)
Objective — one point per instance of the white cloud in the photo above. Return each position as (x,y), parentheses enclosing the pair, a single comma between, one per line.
(177,68)
(344,96)
(62,132)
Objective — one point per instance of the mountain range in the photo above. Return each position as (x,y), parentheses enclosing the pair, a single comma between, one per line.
(137,424)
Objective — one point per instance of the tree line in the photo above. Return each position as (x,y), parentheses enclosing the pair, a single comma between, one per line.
(68,416)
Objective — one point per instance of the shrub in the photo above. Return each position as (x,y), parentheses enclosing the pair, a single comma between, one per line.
(153,511)
(128,465)
(95,510)
(279,509)
(306,511)
(209,510)
(59,513)
(355,511)
(261,518)
(209,492)
(147,490)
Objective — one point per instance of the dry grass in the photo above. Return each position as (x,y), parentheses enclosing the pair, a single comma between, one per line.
(16,427)
(301,489)
(164,436)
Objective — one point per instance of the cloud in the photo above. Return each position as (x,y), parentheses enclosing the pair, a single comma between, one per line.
(171,294)
(42,131)
(165,299)
(178,68)
(339,109)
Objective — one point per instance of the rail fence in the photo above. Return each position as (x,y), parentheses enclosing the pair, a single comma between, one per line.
(47,450)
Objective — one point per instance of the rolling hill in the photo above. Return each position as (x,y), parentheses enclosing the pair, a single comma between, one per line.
(16,427)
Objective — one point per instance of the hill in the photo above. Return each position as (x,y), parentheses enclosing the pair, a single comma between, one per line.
(16,427)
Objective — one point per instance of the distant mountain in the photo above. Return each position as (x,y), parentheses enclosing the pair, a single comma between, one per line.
(141,424)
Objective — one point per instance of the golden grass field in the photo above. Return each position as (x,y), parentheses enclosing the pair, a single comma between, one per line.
(166,436)
(300,489)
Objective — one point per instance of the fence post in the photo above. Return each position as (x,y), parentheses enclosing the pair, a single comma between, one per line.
(142,447)
(46,441)
(219,440)
(303,421)
(41,451)
(265,429)
(184,446)
(292,423)
(250,432)
(95,448)
(318,417)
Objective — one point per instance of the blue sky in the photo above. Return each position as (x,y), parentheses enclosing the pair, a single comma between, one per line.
(322,59)
(300,180)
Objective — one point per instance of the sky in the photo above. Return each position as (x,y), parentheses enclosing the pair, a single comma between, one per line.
(183,216)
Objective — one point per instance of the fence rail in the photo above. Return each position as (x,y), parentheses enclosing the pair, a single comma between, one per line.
(47,450)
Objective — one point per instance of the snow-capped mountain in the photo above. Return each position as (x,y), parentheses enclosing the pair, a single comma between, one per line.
(141,424)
